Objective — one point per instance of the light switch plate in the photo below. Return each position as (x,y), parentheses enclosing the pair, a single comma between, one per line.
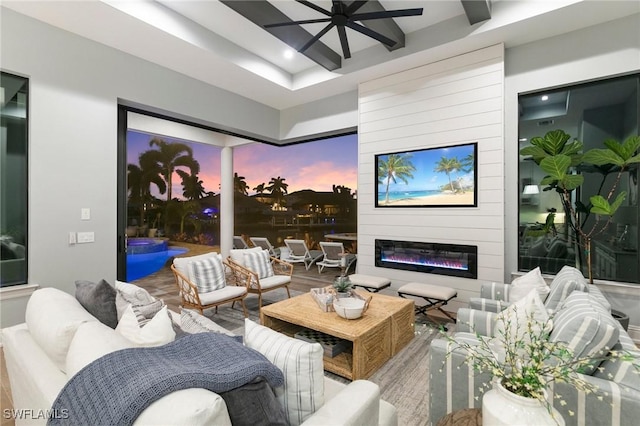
(85,214)
(86,237)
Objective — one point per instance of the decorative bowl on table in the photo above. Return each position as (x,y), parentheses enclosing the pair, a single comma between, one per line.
(349,307)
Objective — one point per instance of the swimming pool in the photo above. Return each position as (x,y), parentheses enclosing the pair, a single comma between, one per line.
(140,265)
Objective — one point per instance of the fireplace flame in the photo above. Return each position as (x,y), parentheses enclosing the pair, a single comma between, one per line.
(437,262)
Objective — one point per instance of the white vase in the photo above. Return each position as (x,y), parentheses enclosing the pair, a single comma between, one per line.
(501,407)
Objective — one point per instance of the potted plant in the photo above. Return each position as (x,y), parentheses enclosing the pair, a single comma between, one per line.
(561,159)
(342,285)
(524,362)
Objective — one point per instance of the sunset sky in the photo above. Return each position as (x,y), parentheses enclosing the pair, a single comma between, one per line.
(313,165)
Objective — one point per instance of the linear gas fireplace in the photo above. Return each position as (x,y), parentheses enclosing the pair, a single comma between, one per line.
(445,259)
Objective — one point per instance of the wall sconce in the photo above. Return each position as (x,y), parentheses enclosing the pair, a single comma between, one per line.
(531,190)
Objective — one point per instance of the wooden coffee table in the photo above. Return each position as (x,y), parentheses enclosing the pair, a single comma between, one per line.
(385,328)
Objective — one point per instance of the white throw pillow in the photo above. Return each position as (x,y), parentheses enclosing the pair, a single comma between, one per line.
(92,341)
(521,286)
(156,332)
(53,317)
(301,364)
(514,320)
(139,294)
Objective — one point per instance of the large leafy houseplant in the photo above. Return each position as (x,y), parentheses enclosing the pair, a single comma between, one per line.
(563,161)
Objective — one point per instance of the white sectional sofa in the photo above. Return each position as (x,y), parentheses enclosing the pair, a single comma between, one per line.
(59,337)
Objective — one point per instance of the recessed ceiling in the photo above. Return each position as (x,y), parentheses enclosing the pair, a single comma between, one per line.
(209,41)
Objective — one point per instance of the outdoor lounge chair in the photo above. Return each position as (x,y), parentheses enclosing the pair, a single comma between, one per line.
(334,257)
(239,242)
(201,294)
(299,253)
(263,273)
(266,245)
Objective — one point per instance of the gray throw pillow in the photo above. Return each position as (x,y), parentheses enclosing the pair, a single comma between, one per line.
(254,404)
(99,300)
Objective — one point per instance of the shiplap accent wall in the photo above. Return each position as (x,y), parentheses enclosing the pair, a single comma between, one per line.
(449,102)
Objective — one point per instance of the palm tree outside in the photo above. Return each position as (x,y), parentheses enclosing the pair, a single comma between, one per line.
(278,189)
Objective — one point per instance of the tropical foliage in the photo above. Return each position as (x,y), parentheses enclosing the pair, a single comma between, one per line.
(563,161)
(278,188)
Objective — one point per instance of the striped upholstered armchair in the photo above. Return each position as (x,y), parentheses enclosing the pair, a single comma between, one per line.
(453,385)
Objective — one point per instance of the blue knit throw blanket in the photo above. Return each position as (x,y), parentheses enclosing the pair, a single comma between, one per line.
(116,388)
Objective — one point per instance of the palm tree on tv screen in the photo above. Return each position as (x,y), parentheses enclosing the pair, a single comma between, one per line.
(447,165)
(393,168)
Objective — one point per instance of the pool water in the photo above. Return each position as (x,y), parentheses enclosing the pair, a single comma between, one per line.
(141,265)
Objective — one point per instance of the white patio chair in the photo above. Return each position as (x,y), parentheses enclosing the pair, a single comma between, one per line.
(334,257)
(299,253)
(239,242)
(265,244)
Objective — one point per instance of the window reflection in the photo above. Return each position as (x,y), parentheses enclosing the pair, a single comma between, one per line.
(13,179)
(591,113)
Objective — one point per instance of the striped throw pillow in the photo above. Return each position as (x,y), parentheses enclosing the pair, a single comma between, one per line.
(259,262)
(207,274)
(569,279)
(301,363)
(586,327)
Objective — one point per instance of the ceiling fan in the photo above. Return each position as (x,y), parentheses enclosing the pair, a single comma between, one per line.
(344,15)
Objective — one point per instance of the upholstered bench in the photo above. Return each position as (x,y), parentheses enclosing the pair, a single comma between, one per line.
(369,283)
(436,296)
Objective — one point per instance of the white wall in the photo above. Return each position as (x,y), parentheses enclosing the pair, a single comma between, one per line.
(449,102)
(593,53)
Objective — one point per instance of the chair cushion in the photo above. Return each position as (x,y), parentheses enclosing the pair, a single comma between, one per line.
(369,281)
(585,326)
(274,281)
(237,255)
(182,263)
(564,283)
(226,293)
(207,274)
(158,331)
(521,286)
(99,300)
(301,363)
(259,262)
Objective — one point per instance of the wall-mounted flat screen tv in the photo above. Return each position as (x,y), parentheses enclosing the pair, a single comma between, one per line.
(432,177)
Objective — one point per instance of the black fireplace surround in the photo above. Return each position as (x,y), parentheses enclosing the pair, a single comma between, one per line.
(444,259)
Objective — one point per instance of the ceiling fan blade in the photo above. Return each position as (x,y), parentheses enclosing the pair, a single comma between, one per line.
(353,7)
(370,33)
(385,14)
(316,37)
(314,7)
(307,21)
(342,33)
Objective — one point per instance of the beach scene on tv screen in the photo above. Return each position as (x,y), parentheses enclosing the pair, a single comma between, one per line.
(436,176)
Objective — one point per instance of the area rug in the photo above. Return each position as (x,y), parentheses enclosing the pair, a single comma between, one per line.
(403,380)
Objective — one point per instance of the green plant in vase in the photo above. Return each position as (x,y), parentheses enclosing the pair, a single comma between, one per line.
(562,160)
(342,284)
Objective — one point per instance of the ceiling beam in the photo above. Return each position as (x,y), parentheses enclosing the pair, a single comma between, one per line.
(477,10)
(387,27)
(262,12)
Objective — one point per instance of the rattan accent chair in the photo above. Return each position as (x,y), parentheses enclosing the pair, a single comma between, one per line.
(234,290)
(241,273)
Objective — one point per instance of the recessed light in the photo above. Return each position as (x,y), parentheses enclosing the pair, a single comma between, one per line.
(288,53)
(544,98)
